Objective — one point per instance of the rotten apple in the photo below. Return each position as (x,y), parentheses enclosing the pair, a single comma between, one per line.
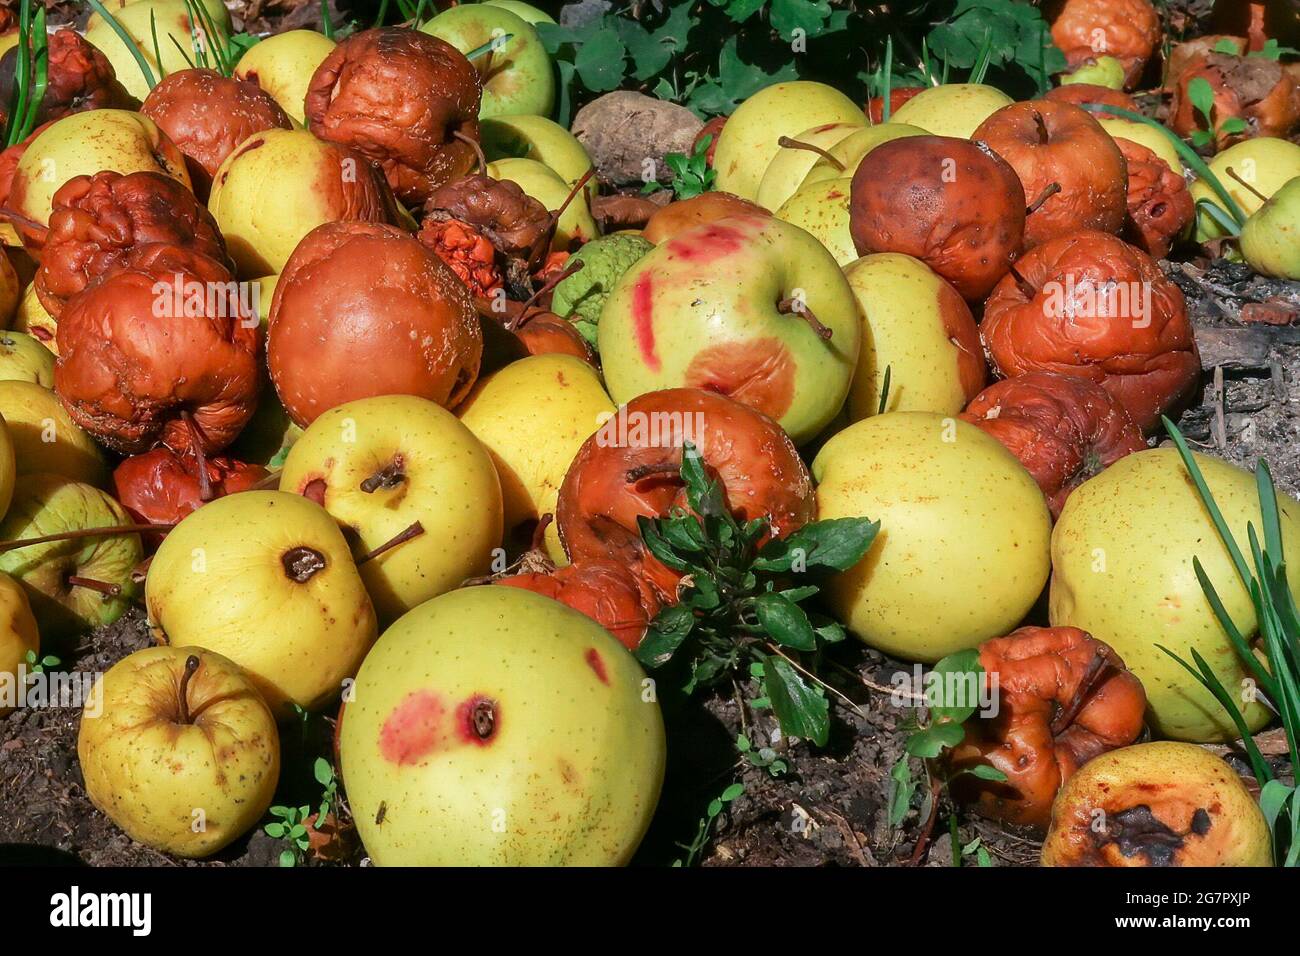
(1128,30)
(163,486)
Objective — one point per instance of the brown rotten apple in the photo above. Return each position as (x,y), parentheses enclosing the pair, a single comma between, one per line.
(363,309)
(1064,697)
(1064,429)
(79,78)
(163,486)
(207,115)
(631,466)
(1072,171)
(100,223)
(407,100)
(159,351)
(1128,30)
(607,592)
(1089,304)
(1258,92)
(1160,205)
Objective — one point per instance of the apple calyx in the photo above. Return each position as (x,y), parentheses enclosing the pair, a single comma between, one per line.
(483,718)
(183,692)
(387,477)
(302,563)
(795,306)
(1050,190)
(785,142)
(413,530)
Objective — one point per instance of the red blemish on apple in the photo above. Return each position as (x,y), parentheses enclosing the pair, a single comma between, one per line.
(643,319)
(597,664)
(314,490)
(759,373)
(835,194)
(413,730)
(707,243)
(478,719)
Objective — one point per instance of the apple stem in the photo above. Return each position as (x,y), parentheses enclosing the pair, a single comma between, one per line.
(785,142)
(1066,715)
(539,532)
(800,308)
(83,533)
(473,144)
(546,237)
(1042,127)
(656,470)
(414,530)
(103,587)
(1258,195)
(183,697)
(196,438)
(1026,288)
(1050,190)
(389,476)
(19,219)
(571,267)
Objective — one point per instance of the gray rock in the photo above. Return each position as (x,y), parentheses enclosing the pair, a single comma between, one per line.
(621,130)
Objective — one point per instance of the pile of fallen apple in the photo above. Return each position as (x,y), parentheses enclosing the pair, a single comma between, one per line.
(321,353)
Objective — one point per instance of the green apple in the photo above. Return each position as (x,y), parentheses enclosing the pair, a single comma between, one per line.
(718,306)
(1265,163)
(380,465)
(1103,71)
(918,327)
(751,138)
(1122,557)
(786,172)
(82,144)
(1144,135)
(533,416)
(1270,240)
(496,727)
(518,75)
(142,19)
(962,553)
(822,210)
(524,11)
(45,437)
(849,151)
(267,579)
(283,65)
(24,359)
(18,634)
(536,137)
(581,296)
(953,109)
(545,185)
(77,584)
(279,185)
(180,750)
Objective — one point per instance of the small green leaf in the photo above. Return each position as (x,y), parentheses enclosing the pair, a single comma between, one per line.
(276,830)
(785,622)
(900,797)
(732,792)
(666,633)
(835,544)
(932,741)
(986,772)
(288,858)
(799,709)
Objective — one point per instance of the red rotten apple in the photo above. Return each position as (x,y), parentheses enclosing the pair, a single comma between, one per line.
(1160,205)
(607,592)
(1253,96)
(1072,171)
(79,78)
(405,99)
(955,205)
(631,467)
(1064,429)
(897,97)
(162,486)
(1128,30)
(1089,304)
(363,309)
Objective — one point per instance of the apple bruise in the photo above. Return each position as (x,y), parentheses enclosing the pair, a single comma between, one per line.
(423,724)
(759,373)
(1138,831)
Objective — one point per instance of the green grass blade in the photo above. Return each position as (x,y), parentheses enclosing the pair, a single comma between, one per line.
(1194,470)
(326,21)
(41,64)
(22,78)
(1269,513)
(126,38)
(1239,642)
(887,87)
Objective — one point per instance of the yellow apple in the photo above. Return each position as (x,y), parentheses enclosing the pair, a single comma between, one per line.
(8,470)
(380,465)
(1143,135)
(283,65)
(545,185)
(915,325)
(45,437)
(496,727)
(267,579)
(11,291)
(180,750)
(82,144)
(533,416)
(1122,557)
(785,173)
(849,151)
(536,137)
(32,319)
(749,141)
(23,358)
(953,109)
(18,635)
(962,552)
(170,20)
(822,209)
(525,11)
(517,74)
(1265,163)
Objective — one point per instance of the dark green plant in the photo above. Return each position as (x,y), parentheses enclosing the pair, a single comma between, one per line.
(740,609)
(31,74)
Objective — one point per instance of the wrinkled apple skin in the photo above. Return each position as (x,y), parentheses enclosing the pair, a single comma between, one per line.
(283,65)
(141,18)
(821,209)
(18,633)
(519,78)
(953,109)
(150,773)
(962,552)
(1270,240)
(545,185)
(749,141)
(1204,813)
(1122,557)
(1266,163)
(47,504)
(86,143)
(785,173)
(915,325)
(24,359)
(447,483)
(45,437)
(700,311)
(221,580)
(566,770)
(850,151)
(533,416)
(1124,30)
